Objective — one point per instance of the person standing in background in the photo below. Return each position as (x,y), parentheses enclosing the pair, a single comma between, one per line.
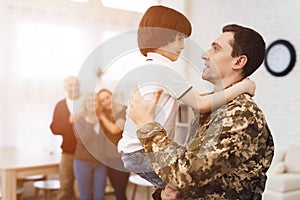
(89,171)
(112,123)
(62,124)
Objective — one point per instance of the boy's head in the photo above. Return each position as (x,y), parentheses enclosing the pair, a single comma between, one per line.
(159,26)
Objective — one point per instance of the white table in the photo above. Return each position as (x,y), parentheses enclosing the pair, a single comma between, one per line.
(16,164)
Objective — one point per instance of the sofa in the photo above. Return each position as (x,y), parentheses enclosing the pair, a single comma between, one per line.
(283,181)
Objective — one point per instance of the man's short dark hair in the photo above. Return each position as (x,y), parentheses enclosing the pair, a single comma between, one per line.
(249,43)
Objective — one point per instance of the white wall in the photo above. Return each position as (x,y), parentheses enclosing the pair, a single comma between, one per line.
(279,98)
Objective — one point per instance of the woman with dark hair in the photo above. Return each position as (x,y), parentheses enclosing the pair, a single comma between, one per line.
(112,119)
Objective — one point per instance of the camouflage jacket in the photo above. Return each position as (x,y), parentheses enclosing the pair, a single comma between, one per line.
(226,159)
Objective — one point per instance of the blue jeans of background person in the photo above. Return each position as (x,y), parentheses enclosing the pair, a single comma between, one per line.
(91,178)
(138,163)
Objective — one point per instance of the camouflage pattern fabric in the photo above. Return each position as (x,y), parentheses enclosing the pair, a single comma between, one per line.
(227,159)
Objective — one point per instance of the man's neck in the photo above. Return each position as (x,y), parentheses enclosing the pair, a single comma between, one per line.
(225,83)
(73,97)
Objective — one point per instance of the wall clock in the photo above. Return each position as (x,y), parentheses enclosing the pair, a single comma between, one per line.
(280,57)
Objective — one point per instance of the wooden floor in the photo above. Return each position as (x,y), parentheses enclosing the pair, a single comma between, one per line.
(141,194)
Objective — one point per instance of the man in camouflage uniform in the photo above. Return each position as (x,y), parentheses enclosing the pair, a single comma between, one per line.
(232,148)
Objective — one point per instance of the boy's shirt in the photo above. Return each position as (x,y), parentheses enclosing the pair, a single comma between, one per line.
(155,73)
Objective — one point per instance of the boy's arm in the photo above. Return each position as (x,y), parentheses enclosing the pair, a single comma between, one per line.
(207,103)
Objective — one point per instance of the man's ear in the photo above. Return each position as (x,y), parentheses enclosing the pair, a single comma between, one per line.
(240,62)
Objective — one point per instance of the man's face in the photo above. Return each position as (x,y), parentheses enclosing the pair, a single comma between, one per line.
(218,59)
(72,86)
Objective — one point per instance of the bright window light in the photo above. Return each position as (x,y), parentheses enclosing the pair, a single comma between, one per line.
(81,1)
(47,50)
(109,34)
(131,5)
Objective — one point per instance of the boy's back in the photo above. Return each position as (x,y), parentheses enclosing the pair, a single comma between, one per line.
(156,73)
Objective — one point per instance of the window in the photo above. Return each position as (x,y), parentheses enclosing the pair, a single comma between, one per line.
(132,5)
(43,45)
(47,51)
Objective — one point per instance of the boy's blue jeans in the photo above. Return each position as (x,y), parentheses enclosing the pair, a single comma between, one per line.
(138,163)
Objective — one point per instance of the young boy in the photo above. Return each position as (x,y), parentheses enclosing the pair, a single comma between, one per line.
(161,35)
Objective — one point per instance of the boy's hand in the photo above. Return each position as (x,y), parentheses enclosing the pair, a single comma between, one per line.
(249,86)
